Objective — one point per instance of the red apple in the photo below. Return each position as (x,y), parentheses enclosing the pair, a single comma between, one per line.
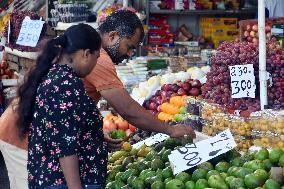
(186,86)
(252,34)
(267,28)
(181,92)
(248,28)
(194,92)
(255,27)
(246,33)
(196,83)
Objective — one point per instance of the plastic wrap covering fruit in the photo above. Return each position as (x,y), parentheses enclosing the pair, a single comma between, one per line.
(269,140)
(208,110)
(243,143)
(16,20)
(267,122)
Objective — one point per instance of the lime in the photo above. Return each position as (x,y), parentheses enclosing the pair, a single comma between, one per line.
(275,154)
(199,174)
(201,184)
(182,176)
(189,185)
(271,184)
(175,184)
(262,174)
(262,154)
(158,185)
(253,181)
(222,167)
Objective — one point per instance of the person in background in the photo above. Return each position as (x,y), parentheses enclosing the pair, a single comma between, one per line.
(65,138)
(121,32)
(275,8)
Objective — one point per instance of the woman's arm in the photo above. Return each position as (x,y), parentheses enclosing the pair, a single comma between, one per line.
(70,167)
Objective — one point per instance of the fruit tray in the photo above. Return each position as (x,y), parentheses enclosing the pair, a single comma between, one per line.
(208,110)
(267,122)
(249,28)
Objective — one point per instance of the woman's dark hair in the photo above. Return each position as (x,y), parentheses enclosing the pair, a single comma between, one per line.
(75,38)
(124,22)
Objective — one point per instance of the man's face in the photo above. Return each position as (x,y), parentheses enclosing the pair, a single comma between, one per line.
(122,48)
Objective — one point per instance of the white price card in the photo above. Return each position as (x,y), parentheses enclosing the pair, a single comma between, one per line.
(151,140)
(242,81)
(194,154)
(30,32)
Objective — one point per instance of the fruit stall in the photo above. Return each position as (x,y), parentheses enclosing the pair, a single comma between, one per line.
(214,87)
(204,98)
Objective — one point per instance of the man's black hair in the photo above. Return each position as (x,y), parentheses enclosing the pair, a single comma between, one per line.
(124,22)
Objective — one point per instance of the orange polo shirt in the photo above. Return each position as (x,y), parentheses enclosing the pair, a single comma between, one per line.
(102,77)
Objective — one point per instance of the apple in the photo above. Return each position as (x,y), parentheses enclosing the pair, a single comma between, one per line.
(194,91)
(252,34)
(174,94)
(246,33)
(267,28)
(153,106)
(255,27)
(175,88)
(181,92)
(249,39)
(248,28)
(166,87)
(179,84)
(163,94)
(196,83)
(158,93)
(186,86)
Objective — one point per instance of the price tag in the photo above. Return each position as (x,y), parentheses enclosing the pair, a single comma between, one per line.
(242,81)
(194,154)
(151,140)
(30,32)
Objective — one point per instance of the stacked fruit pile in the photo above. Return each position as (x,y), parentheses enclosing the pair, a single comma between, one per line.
(240,128)
(217,88)
(174,110)
(267,129)
(150,168)
(5,71)
(188,87)
(250,33)
(16,20)
(117,127)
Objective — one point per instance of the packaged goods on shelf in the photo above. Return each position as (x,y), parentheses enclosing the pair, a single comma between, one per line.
(219,29)
(177,64)
(193,106)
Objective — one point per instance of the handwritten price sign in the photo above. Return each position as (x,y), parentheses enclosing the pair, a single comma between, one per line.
(30,32)
(151,140)
(194,154)
(242,81)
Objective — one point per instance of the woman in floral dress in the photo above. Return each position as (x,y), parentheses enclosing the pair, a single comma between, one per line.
(66,142)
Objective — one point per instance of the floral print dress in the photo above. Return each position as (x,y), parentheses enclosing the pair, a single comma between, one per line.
(65,122)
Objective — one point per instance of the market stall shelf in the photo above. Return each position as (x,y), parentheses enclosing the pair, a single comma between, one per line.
(64,26)
(28,55)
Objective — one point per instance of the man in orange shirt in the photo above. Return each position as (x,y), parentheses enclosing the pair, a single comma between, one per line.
(121,33)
